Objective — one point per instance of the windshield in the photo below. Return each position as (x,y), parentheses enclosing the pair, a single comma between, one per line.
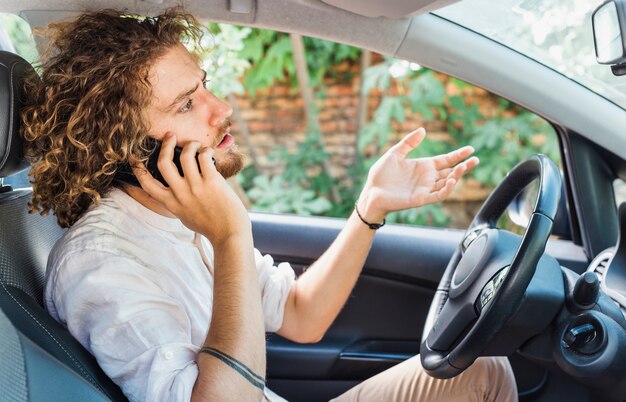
(556,33)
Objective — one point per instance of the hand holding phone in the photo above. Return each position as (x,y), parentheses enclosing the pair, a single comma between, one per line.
(125,172)
(203,200)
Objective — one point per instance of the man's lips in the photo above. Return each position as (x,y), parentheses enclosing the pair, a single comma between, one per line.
(225,138)
(226,142)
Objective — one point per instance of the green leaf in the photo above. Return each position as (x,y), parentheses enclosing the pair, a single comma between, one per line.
(367,135)
(457,102)
(426,89)
(318,205)
(398,112)
(424,110)
(377,76)
(252,49)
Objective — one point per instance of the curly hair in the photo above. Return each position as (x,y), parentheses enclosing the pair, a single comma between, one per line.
(84,116)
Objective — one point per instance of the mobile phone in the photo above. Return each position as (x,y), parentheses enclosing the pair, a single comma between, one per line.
(125,174)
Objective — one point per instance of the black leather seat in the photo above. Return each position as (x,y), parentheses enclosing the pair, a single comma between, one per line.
(29,373)
(25,242)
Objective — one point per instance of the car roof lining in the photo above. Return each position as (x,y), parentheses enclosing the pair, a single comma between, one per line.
(481,61)
(387,8)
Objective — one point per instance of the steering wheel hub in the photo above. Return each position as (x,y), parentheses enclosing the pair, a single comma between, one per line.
(470,265)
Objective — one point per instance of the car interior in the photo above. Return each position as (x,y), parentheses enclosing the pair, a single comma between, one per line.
(558,314)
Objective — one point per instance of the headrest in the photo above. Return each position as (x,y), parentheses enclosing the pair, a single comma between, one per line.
(12,69)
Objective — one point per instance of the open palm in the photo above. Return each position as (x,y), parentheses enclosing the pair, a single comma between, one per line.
(396,182)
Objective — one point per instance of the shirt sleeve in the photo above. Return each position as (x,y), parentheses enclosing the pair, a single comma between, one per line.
(276,283)
(119,311)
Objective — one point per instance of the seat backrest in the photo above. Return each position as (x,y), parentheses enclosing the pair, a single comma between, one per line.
(25,242)
(29,373)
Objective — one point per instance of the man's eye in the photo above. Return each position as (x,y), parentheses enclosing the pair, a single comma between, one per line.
(187,106)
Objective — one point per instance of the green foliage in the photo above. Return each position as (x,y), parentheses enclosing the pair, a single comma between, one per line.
(301,187)
(303,166)
(271,57)
(504,138)
(506,141)
(462,118)
(377,76)
(501,141)
(390,109)
(428,215)
(323,55)
(220,59)
(429,147)
(278,196)
(20,35)
(426,93)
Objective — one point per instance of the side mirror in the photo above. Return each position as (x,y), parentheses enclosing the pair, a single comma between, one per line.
(520,209)
(609,23)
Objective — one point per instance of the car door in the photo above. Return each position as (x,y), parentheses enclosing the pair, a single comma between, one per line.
(382,321)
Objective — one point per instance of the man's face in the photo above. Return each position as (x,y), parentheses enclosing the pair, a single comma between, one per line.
(181,105)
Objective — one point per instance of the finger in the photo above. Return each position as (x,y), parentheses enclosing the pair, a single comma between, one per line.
(471,163)
(166,165)
(452,158)
(439,184)
(442,193)
(191,171)
(458,171)
(408,143)
(205,158)
(150,185)
(446,190)
(444,173)
(463,168)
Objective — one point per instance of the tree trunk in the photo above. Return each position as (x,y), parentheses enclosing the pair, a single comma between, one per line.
(302,73)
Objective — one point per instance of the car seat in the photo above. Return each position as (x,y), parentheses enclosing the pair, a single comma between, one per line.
(25,242)
(29,373)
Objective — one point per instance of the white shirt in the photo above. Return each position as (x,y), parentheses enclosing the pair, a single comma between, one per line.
(136,289)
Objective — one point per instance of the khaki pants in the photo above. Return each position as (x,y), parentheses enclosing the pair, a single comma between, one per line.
(488,379)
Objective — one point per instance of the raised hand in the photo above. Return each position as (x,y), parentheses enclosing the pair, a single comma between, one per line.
(396,182)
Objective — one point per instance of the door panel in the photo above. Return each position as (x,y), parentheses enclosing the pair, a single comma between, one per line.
(382,321)
(379,326)
(416,255)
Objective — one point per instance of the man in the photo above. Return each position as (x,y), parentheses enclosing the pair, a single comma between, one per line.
(162,283)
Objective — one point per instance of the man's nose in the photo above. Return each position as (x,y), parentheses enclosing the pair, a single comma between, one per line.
(220,110)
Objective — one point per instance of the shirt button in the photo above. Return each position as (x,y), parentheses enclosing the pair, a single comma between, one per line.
(168,355)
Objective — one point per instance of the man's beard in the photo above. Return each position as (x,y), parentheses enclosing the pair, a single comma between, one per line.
(230,163)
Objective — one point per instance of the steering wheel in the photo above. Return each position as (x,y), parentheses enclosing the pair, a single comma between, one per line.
(485,280)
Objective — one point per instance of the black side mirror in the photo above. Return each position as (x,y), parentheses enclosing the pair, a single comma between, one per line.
(609,23)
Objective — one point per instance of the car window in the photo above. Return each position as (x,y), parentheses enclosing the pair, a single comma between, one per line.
(16,37)
(312,116)
(312,158)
